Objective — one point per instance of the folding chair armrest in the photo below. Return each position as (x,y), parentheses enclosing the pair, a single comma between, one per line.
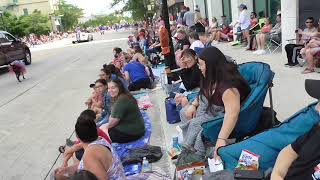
(290,40)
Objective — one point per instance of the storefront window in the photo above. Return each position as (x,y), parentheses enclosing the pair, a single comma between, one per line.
(260,7)
(267,8)
(226,6)
(273,5)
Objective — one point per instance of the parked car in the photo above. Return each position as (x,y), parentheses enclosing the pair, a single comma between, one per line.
(85,36)
(12,49)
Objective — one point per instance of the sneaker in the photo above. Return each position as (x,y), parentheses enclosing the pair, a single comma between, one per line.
(293,64)
(287,64)
(256,52)
(235,43)
(262,52)
(214,43)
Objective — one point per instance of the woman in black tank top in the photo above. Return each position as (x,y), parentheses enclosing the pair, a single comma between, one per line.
(222,85)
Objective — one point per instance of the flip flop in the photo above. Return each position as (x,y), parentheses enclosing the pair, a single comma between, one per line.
(62,149)
(307,71)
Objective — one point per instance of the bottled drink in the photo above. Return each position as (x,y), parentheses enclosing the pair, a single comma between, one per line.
(145,165)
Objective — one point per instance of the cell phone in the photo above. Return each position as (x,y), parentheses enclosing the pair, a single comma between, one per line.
(248,175)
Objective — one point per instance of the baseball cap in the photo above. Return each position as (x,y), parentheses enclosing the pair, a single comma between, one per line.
(312,87)
(242,6)
(102,81)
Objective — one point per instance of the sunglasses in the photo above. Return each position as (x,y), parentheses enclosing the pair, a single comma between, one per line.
(308,22)
(99,86)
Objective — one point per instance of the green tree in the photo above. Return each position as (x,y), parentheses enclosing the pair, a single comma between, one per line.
(136,7)
(34,23)
(106,20)
(70,15)
(9,23)
(24,25)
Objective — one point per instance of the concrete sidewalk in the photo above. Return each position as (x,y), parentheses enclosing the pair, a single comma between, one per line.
(52,45)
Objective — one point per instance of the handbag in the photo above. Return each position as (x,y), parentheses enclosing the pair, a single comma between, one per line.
(172,114)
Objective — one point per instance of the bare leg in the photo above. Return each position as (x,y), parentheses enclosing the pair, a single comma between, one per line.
(254,43)
(258,41)
(262,41)
(309,58)
(218,36)
(214,35)
(247,36)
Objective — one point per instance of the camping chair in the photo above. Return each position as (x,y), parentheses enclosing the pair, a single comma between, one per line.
(259,77)
(272,43)
(269,143)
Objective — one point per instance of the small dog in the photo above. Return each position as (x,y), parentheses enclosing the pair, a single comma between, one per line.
(18,68)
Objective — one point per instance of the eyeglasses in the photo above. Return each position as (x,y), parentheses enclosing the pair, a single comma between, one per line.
(308,22)
(102,75)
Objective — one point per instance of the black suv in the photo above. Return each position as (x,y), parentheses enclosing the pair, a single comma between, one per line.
(12,49)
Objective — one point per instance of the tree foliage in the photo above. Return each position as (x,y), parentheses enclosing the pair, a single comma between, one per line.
(69,14)
(24,25)
(136,7)
(106,20)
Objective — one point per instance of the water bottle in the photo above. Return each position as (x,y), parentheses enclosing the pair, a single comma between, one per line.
(145,165)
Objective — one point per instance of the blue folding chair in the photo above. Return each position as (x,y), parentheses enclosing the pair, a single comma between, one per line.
(259,77)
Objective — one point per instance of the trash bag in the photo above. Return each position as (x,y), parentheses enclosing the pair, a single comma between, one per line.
(152,153)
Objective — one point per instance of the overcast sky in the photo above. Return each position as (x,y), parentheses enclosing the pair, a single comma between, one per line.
(93,7)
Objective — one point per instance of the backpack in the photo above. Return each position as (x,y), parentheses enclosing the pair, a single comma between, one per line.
(172,114)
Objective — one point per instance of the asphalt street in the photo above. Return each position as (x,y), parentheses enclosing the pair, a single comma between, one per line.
(37,115)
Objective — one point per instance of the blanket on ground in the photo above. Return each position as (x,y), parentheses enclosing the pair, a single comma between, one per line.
(123,149)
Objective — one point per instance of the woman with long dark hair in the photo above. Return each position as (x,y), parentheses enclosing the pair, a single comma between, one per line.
(222,89)
(125,122)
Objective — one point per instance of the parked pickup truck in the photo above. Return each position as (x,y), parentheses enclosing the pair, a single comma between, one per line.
(12,49)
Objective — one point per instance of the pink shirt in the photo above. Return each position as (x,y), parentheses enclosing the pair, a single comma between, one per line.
(266,28)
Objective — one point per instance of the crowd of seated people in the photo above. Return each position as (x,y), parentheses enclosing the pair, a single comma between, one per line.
(311,49)
(210,85)
(113,116)
(255,32)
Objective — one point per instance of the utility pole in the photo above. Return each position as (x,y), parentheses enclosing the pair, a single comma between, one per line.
(169,62)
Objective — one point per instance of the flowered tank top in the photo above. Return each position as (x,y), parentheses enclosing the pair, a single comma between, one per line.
(115,172)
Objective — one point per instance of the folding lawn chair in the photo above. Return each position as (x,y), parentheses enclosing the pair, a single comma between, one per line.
(272,44)
(259,77)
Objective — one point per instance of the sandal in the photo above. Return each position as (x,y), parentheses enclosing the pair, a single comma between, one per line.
(62,149)
(307,71)
(69,143)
